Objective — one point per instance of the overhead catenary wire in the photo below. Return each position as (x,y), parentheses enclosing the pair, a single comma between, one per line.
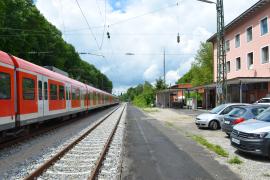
(105,23)
(89,27)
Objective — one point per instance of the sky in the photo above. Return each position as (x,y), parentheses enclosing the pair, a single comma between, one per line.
(143,28)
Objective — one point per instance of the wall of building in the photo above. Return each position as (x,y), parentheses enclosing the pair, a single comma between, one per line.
(259,69)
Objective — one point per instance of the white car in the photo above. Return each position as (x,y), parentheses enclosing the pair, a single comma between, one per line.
(214,118)
(265,100)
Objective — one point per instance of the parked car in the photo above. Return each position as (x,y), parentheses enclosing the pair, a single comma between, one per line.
(213,118)
(239,115)
(265,100)
(253,135)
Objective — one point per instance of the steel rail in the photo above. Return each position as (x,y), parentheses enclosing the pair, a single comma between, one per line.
(16,140)
(98,165)
(36,173)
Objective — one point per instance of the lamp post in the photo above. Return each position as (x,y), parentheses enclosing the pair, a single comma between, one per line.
(221,84)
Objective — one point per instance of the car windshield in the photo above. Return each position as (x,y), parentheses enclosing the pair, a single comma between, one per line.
(218,109)
(257,111)
(264,116)
(264,100)
(237,112)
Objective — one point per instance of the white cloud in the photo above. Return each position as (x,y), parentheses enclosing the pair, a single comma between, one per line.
(172,77)
(151,73)
(145,36)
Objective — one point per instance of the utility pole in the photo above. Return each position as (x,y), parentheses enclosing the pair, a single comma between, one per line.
(221,56)
(221,82)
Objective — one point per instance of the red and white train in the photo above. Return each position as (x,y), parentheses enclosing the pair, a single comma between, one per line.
(30,93)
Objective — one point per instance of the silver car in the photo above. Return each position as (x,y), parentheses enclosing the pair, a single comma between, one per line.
(253,136)
(214,118)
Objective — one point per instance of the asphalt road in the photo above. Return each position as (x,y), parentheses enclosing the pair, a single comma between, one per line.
(153,151)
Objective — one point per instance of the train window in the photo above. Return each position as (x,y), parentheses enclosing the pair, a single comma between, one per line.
(45,90)
(5,88)
(28,89)
(40,90)
(61,93)
(67,94)
(53,92)
(73,94)
(78,94)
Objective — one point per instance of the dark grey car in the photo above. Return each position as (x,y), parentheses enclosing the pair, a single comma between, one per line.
(240,114)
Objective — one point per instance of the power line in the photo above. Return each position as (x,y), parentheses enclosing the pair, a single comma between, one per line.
(105,22)
(89,27)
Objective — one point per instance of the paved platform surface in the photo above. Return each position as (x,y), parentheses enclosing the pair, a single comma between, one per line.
(153,151)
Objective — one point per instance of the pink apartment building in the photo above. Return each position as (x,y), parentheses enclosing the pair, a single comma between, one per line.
(247,53)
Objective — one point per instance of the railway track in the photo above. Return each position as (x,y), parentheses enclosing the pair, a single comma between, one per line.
(10,141)
(83,157)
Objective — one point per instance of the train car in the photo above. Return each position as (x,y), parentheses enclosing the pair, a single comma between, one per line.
(30,93)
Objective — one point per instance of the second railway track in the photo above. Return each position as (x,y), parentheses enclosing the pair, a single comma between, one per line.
(82,158)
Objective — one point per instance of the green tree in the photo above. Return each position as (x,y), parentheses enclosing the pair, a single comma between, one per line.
(201,71)
(160,85)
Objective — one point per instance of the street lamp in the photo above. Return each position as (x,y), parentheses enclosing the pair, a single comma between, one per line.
(221,89)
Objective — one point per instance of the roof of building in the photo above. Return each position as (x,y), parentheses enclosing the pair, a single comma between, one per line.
(253,9)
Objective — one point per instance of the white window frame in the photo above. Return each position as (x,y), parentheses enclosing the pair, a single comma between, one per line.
(251,34)
(248,66)
(262,54)
(261,26)
(236,64)
(239,40)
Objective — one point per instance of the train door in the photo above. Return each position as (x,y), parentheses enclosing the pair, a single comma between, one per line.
(45,96)
(82,98)
(42,95)
(68,97)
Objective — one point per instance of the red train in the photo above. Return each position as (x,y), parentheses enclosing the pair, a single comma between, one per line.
(30,93)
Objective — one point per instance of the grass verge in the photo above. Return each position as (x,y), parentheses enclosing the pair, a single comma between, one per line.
(212,147)
(150,110)
(235,160)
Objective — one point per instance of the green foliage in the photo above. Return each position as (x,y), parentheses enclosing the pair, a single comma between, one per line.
(215,148)
(201,71)
(235,160)
(24,29)
(160,85)
(141,95)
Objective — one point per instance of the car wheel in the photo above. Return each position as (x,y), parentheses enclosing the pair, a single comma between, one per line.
(228,134)
(214,125)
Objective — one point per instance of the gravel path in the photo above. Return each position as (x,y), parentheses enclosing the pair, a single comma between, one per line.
(17,161)
(253,167)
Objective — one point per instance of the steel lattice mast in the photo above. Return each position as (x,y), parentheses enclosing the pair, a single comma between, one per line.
(221,89)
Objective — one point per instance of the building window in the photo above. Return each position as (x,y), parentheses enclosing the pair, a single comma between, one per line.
(237,40)
(227,45)
(40,90)
(5,88)
(61,93)
(250,60)
(249,34)
(53,92)
(238,63)
(228,66)
(45,91)
(265,54)
(28,89)
(264,26)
